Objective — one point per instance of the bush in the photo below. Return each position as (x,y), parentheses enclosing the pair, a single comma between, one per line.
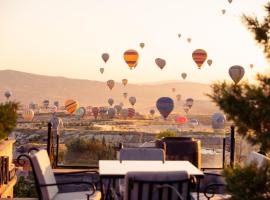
(8,118)
(167,133)
(248,182)
(25,188)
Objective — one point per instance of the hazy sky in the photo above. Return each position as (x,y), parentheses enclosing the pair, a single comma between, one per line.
(67,38)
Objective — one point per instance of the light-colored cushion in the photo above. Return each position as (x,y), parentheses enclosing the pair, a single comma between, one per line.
(77,196)
(45,175)
(142,154)
(158,177)
(257,157)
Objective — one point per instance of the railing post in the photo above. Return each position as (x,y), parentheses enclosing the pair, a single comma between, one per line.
(224,152)
(232,148)
(50,143)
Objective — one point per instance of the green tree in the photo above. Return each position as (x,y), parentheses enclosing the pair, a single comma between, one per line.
(8,118)
(248,105)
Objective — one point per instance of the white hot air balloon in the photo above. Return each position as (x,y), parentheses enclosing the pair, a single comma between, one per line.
(236,72)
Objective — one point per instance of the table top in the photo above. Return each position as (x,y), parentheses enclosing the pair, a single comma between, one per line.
(117,168)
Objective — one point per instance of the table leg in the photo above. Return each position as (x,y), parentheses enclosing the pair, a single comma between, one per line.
(198,188)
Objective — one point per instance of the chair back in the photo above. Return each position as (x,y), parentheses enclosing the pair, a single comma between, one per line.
(258,158)
(44,174)
(157,186)
(142,154)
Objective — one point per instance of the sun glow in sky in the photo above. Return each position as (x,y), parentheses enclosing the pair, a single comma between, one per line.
(67,38)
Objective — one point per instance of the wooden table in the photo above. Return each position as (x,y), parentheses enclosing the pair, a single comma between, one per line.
(113,169)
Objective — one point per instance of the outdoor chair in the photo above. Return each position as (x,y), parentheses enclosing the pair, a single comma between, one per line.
(46,185)
(157,186)
(181,148)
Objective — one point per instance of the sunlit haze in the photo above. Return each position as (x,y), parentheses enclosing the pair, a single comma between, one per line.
(67,38)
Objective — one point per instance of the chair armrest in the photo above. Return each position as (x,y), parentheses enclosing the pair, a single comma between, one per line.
(209,191)
(76,172)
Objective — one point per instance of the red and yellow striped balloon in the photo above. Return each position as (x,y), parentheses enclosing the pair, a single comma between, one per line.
(199,56)
(71,105)
(131,57)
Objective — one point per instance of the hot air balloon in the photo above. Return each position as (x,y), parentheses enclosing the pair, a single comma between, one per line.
(185,108)
(165,106)
(110,84)
(32,106)
(199,56)
(28,115)
(181,120)
(124,113)
(193,122)
(125,95)
(173,89)
(236,72)
(132,100)
(152,112)
(223,11)
(80,112)
(209,62)
(105,57)
(46,103)
(101,70)
(184,75)
(230,1)
(179,35)
(110,101)
(178,97)
(54,109)
(251,66)
(189,102)
(121,104)
(95,111)
(103,111)
(8,94)
(71,106)
(118,109)
(124,81)
(218,121)
(56,103)
(131,112)
(142,45)
(89,110)
(160,62)
(189,40)
(111,113)
(131,57)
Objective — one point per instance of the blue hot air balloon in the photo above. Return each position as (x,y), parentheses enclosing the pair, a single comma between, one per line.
(165,106)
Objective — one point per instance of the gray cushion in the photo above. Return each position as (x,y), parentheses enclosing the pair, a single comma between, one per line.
(142,154)
(77,196)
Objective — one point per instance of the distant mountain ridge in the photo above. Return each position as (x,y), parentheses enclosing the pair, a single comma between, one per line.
(26,87)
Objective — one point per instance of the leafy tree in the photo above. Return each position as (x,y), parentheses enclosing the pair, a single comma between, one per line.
(248,105)
(8,118)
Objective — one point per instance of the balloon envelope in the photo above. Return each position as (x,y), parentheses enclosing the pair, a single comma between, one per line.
(80,112)
(131,112)
(110,101)
(165,106)
(193,122)
(181,120)
(110,84)
(95,111)
(118,109)
(28,115)
(132,100)
(189,40)
(184,75)
(189,102)
(218,121)
(101,70)
(8,94)
(199,56)
(223,11)
(209,62)
(152,112)
(71,105)
(124,81)
(236,72)
(141,44)
(111,112)
(46,103)
(105,57)
(131,57)
(160,62)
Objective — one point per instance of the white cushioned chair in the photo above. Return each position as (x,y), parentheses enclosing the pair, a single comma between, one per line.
(47,187)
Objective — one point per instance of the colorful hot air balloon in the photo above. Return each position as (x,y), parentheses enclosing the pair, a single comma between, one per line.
(193,122)
(189,102)
(178,97)
(118,109)
(165,106)
(142,45)
(124,81)
(125,95)
(132,100)
(209,62)
(160,62)
(46,103)
(223,11)
(199,56)
(181,120)
(218,121)
(95,111)
(111,113)
(236,72)
(173,90)
(8,94)
(131,57)
(189,40)
(71,106)
(110,84)
(184,75)
(101,70)
(110,101)
(105,57)
(131,112)
(124,113)
(28,115)
(152,112)
(80,112)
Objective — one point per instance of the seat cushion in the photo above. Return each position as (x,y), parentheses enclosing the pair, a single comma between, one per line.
(77,196)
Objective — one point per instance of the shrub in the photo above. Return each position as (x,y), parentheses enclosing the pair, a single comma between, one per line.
(167,133)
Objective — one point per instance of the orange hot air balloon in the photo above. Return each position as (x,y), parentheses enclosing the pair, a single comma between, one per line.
(199,56)
(124,81)
(131,57)
(110,84)
(71,106)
